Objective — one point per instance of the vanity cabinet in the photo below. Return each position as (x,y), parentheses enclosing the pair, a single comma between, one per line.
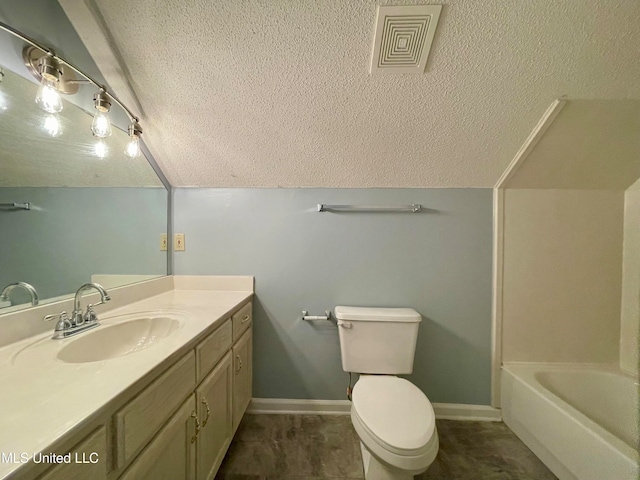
(212,385)
(180,425)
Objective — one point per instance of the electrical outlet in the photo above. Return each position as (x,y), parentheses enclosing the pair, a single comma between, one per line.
(178,242)
(163,242)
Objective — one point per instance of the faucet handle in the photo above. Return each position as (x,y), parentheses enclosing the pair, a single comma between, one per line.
(64,322)
(90,315)
(62,316)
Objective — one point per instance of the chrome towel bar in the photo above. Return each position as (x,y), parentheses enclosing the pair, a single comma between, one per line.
(413,208)
(17,206)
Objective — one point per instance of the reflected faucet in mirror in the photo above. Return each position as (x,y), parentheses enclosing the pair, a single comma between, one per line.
(79,321)
(4,296)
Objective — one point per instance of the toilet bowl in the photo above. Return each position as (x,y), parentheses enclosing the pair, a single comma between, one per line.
(392,417)
(396,425)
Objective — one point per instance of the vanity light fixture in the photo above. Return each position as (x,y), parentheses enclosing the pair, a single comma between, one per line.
(101,125)
(48,97)
(56,75)
(133,147)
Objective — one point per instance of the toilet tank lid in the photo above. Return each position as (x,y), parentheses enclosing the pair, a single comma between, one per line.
(372,314)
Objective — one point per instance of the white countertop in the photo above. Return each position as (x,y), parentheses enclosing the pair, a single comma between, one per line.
(43,398)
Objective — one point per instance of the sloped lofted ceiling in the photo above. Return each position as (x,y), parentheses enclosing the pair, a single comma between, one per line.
(278,93)
(591,145)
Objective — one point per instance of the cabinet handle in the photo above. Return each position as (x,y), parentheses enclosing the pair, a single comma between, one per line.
(206,419)
(194,415)
(239,363)
(245,319)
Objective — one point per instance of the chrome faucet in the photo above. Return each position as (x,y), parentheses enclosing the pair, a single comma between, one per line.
(77,317)
(79,321)
(28,287)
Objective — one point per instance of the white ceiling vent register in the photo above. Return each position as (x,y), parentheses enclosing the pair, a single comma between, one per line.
(403,38)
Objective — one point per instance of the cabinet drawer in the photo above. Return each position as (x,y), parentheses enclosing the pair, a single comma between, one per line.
(143,416)
(212,349)
(88,460)
(241,321)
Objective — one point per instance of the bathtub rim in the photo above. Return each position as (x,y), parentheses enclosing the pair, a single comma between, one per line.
(524,372)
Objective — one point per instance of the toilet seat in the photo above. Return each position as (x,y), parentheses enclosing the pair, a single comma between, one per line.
(395,421)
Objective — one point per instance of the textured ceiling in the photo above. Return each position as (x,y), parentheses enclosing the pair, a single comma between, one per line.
(277,93)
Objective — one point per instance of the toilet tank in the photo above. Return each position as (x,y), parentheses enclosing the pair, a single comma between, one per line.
(377,340)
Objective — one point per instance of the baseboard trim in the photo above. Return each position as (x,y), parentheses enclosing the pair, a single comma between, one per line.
(445,411)
(301,407)
(460,411)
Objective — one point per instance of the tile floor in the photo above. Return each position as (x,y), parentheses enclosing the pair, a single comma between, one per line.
(314,447)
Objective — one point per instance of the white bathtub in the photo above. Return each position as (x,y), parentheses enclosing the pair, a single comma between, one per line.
(581,421)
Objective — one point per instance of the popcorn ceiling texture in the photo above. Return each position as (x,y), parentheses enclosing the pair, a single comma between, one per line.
(277,93)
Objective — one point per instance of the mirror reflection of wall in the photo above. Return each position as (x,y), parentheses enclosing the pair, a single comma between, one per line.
(93,212)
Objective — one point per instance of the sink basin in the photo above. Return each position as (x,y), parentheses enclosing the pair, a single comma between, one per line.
(110,341)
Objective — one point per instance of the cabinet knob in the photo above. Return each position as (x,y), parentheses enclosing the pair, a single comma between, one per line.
(239,363)
(245,319)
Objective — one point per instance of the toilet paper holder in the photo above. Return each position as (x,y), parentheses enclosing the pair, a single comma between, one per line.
(312,318)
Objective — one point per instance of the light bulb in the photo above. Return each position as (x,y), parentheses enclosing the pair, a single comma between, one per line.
(100,149)
(48,97)
(52,125)
(101,126)
(133,147)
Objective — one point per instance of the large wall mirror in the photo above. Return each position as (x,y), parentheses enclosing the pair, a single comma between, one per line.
(94,214)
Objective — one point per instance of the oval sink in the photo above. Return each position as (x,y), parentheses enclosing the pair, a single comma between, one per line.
(110,341)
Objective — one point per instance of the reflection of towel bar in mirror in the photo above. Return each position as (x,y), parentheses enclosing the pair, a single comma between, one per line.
(413,208)
(16,206)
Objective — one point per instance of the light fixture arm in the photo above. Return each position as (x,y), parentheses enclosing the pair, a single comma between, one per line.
(51,53)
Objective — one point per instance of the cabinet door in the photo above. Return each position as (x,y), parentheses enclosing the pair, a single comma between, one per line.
(170,455)
(88,460)
(242,376)
(139,420)
(214,412)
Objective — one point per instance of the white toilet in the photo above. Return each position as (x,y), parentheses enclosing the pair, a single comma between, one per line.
(393,418)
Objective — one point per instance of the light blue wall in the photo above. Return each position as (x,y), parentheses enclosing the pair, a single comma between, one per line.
(437,261)
(72,233)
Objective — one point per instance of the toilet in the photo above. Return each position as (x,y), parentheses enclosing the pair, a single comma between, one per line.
(392,417)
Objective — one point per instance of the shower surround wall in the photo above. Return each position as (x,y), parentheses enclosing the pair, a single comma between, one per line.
(562,275)
(630,316)
(437,261)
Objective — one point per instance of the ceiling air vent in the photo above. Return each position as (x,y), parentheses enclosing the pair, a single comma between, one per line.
(403,38)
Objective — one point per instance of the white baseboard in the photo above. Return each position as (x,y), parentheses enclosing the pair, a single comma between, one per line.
(445,411)
(300,407)
(461,411)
